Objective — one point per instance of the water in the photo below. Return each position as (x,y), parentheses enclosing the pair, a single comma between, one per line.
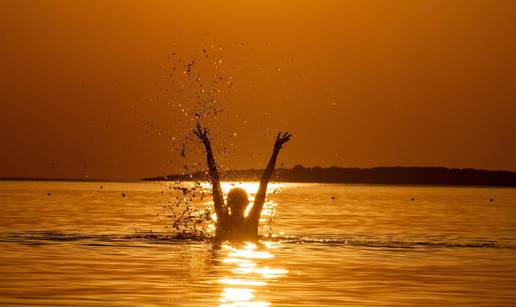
(84,245)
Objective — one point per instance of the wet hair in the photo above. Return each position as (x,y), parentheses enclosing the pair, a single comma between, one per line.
(237,201)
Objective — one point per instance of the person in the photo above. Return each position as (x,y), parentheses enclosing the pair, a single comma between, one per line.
(232,224)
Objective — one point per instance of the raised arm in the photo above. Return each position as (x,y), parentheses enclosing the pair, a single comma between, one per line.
(259,199)
(218,197)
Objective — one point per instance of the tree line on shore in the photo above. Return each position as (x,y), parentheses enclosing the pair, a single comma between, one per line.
(376,175)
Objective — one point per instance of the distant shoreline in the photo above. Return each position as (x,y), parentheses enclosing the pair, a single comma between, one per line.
(429,176)
(378,175)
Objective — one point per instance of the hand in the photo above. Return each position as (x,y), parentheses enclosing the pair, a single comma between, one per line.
(282,139)
(202,133)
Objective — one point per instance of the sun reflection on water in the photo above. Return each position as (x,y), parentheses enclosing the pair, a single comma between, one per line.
(250,274)
(249,186)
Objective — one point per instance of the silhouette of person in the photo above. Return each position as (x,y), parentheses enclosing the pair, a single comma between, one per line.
(232,224)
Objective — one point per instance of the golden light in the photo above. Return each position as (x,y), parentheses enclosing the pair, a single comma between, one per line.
(267,272)
(250,274)
(236,295)
(241,282)
(251,187)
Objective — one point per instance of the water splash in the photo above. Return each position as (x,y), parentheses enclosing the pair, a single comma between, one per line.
(185,212)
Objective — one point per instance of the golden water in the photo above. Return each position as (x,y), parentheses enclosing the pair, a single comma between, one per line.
(369,246)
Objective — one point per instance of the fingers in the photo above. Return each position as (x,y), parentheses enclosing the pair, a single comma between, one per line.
(197,132)
(283,137)
(286,135)
(200,132)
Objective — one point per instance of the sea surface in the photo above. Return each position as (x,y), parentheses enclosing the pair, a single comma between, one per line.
(111,244)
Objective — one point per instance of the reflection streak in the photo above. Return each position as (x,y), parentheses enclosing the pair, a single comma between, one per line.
(251,273)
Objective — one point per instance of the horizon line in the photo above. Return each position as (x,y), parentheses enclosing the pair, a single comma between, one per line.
(15,178)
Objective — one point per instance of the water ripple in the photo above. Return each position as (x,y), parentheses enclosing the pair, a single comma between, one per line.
(44,237)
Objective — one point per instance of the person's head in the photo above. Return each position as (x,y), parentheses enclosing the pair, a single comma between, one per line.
(237,201)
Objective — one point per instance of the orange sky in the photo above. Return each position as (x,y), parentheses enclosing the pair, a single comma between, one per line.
(358,83)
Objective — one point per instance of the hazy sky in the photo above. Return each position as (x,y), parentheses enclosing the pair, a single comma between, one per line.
(90,86)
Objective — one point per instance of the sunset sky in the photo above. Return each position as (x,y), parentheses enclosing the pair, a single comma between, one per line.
(89,87)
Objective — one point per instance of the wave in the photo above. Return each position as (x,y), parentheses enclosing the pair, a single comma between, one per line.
(49,237)
(401,243)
